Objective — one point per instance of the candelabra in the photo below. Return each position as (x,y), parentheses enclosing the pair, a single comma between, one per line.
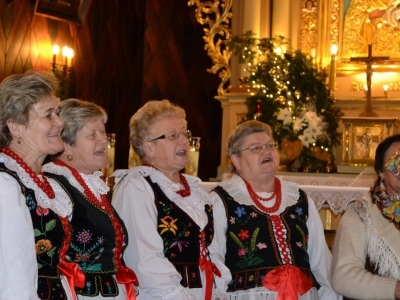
(63,70)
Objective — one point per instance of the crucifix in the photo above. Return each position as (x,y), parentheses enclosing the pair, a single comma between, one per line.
(368,110)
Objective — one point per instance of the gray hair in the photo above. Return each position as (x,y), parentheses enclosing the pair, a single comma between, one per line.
(75,114)
(142,121)
(235,139)
(18,94)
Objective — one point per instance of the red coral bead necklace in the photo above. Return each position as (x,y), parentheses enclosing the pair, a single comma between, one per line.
(277,193)
(44,186)
(104,204)
(185,192)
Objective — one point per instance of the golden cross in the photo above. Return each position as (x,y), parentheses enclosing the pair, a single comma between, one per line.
(368,111)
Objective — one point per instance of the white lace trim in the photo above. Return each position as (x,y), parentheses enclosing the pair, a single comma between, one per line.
(379,250)
(198,197)
(93,181)
(236,188)
(61,204)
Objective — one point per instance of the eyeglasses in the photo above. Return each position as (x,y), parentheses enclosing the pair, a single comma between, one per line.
(173,135)
(256,148)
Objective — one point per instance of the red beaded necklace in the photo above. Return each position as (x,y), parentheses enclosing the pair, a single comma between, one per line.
(186,191)
(104,204)
(44,186)
(256,199)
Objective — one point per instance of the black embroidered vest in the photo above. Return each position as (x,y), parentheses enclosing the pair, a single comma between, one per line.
(49,237)
(93,242)
(181,236)
(252,248)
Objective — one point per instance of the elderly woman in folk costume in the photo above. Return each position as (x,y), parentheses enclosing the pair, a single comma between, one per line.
(366,253)
(168,216)
(99,236)
(33,222)
(269,232)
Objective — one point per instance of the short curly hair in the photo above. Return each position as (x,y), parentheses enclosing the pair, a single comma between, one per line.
(18,94)
(235,139)
(75,114)
(143,120)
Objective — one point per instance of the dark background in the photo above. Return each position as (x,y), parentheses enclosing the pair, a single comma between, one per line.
(126,53)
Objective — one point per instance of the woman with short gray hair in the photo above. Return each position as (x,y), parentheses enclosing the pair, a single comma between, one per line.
(33,222)
(269,233)
(99,236)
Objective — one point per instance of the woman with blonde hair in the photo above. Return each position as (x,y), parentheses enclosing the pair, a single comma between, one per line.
(168,216)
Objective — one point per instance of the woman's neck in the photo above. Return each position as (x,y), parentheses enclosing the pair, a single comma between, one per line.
(262,184)
(33,161)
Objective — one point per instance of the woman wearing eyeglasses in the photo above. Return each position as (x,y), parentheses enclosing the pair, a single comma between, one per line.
(269,233)
(168,216)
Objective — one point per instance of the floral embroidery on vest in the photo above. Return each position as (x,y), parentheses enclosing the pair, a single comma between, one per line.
(258,242)
(49,237)
(181,237)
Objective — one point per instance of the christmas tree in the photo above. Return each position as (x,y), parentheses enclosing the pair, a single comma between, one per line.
(292,98)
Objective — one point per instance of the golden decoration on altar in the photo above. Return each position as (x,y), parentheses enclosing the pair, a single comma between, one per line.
(320,153)
(217,15)
(309,32)
(371,21)
(292,149)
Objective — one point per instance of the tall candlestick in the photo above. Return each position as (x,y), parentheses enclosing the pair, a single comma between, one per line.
(65,55)
(56,50)
(332,70)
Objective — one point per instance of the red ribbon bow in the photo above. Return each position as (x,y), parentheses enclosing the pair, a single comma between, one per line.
(126,276)
(288,281)
(73,274)
(210,269)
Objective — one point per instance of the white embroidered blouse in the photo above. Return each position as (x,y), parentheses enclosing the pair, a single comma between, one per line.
(134,201)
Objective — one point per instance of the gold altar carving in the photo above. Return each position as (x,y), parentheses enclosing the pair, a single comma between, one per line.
(361,137)
(309,31)
(217,15)
(371,22)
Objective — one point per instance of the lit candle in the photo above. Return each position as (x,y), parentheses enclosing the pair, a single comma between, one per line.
(56,50)
(65,55)
(385,89)
(368,31)
(332,71)
(70,55)
(313,54)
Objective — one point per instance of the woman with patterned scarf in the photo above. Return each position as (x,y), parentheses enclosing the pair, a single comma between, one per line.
(366,255)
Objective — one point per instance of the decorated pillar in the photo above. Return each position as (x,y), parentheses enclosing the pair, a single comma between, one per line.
(281,18)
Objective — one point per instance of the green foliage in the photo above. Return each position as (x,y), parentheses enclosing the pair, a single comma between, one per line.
(289,85)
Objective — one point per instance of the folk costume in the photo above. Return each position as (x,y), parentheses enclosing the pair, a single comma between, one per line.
(34,235)
(366,255)
(99,236)
(275,248)
(173,232)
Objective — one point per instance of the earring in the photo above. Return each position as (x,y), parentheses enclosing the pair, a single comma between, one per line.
(19,140)
(70,157)
(152,162)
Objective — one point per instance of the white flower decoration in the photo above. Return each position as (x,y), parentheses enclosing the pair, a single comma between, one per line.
(285,115)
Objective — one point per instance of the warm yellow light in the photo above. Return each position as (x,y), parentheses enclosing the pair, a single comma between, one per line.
(334,49)
(65,51)
(385,87)
(56,49)
(70,53)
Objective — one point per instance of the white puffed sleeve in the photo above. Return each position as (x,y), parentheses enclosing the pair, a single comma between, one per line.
(158,279)
(18,266)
